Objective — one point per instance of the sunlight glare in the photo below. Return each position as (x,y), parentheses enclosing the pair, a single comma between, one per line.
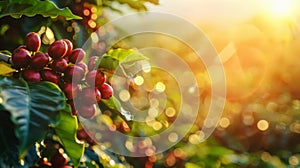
(281,8)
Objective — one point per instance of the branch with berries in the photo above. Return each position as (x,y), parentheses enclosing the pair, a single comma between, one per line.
(63,66)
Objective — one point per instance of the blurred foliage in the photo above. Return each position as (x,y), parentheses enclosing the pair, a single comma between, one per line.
(260,123)
(260,126)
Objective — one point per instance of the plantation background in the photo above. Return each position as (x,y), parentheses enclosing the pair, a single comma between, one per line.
(260,125)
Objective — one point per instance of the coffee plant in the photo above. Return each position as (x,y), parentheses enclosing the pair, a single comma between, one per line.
(49,82)
(44,73)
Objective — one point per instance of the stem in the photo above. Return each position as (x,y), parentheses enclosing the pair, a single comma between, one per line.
(5,58)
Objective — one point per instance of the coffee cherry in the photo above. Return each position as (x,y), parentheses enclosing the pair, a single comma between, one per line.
(69,46)
(87,111)
(90,96)
(59,65)
(77,55)
(39,60)
(106,91)
(91,63)
(51,76)
(21,47)
(20,58)
(31,75)
(59,160)
(91,140)
(58,49)
(124,127)
(33,41)
(71,90)
(83,66)
(81,134)
(74,73)
(95,78)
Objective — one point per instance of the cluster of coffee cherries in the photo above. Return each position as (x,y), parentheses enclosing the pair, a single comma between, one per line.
(63,66)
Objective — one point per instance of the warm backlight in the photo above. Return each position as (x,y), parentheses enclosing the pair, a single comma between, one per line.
(281,8)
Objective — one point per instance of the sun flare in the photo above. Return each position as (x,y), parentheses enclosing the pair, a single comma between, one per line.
(282,8)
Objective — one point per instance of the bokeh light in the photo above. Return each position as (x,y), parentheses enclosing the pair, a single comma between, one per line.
(224,122)
(124,95)
(263,125)
(170,112)
(160,87)
(173,137)
(139,80)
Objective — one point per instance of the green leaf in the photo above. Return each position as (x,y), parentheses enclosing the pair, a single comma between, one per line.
(46,8)
(124,62)
(6,52)
(109,63)
(8,140)
(32,106)
(66,131)
(112,103)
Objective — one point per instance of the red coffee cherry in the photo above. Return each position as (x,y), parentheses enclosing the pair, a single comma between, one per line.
(31,75)
(59,65)
(20,58)
(71,90)
(81,134)
(77,55)
(21,47)
(87,111)
(83,66)
(124,127)
(95,78)
(69,46)
(39,60)
(91,63)
(59,160)
(90,96)
(74,73)
(51,76)
(33,41)
(58,49)
(106,91)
